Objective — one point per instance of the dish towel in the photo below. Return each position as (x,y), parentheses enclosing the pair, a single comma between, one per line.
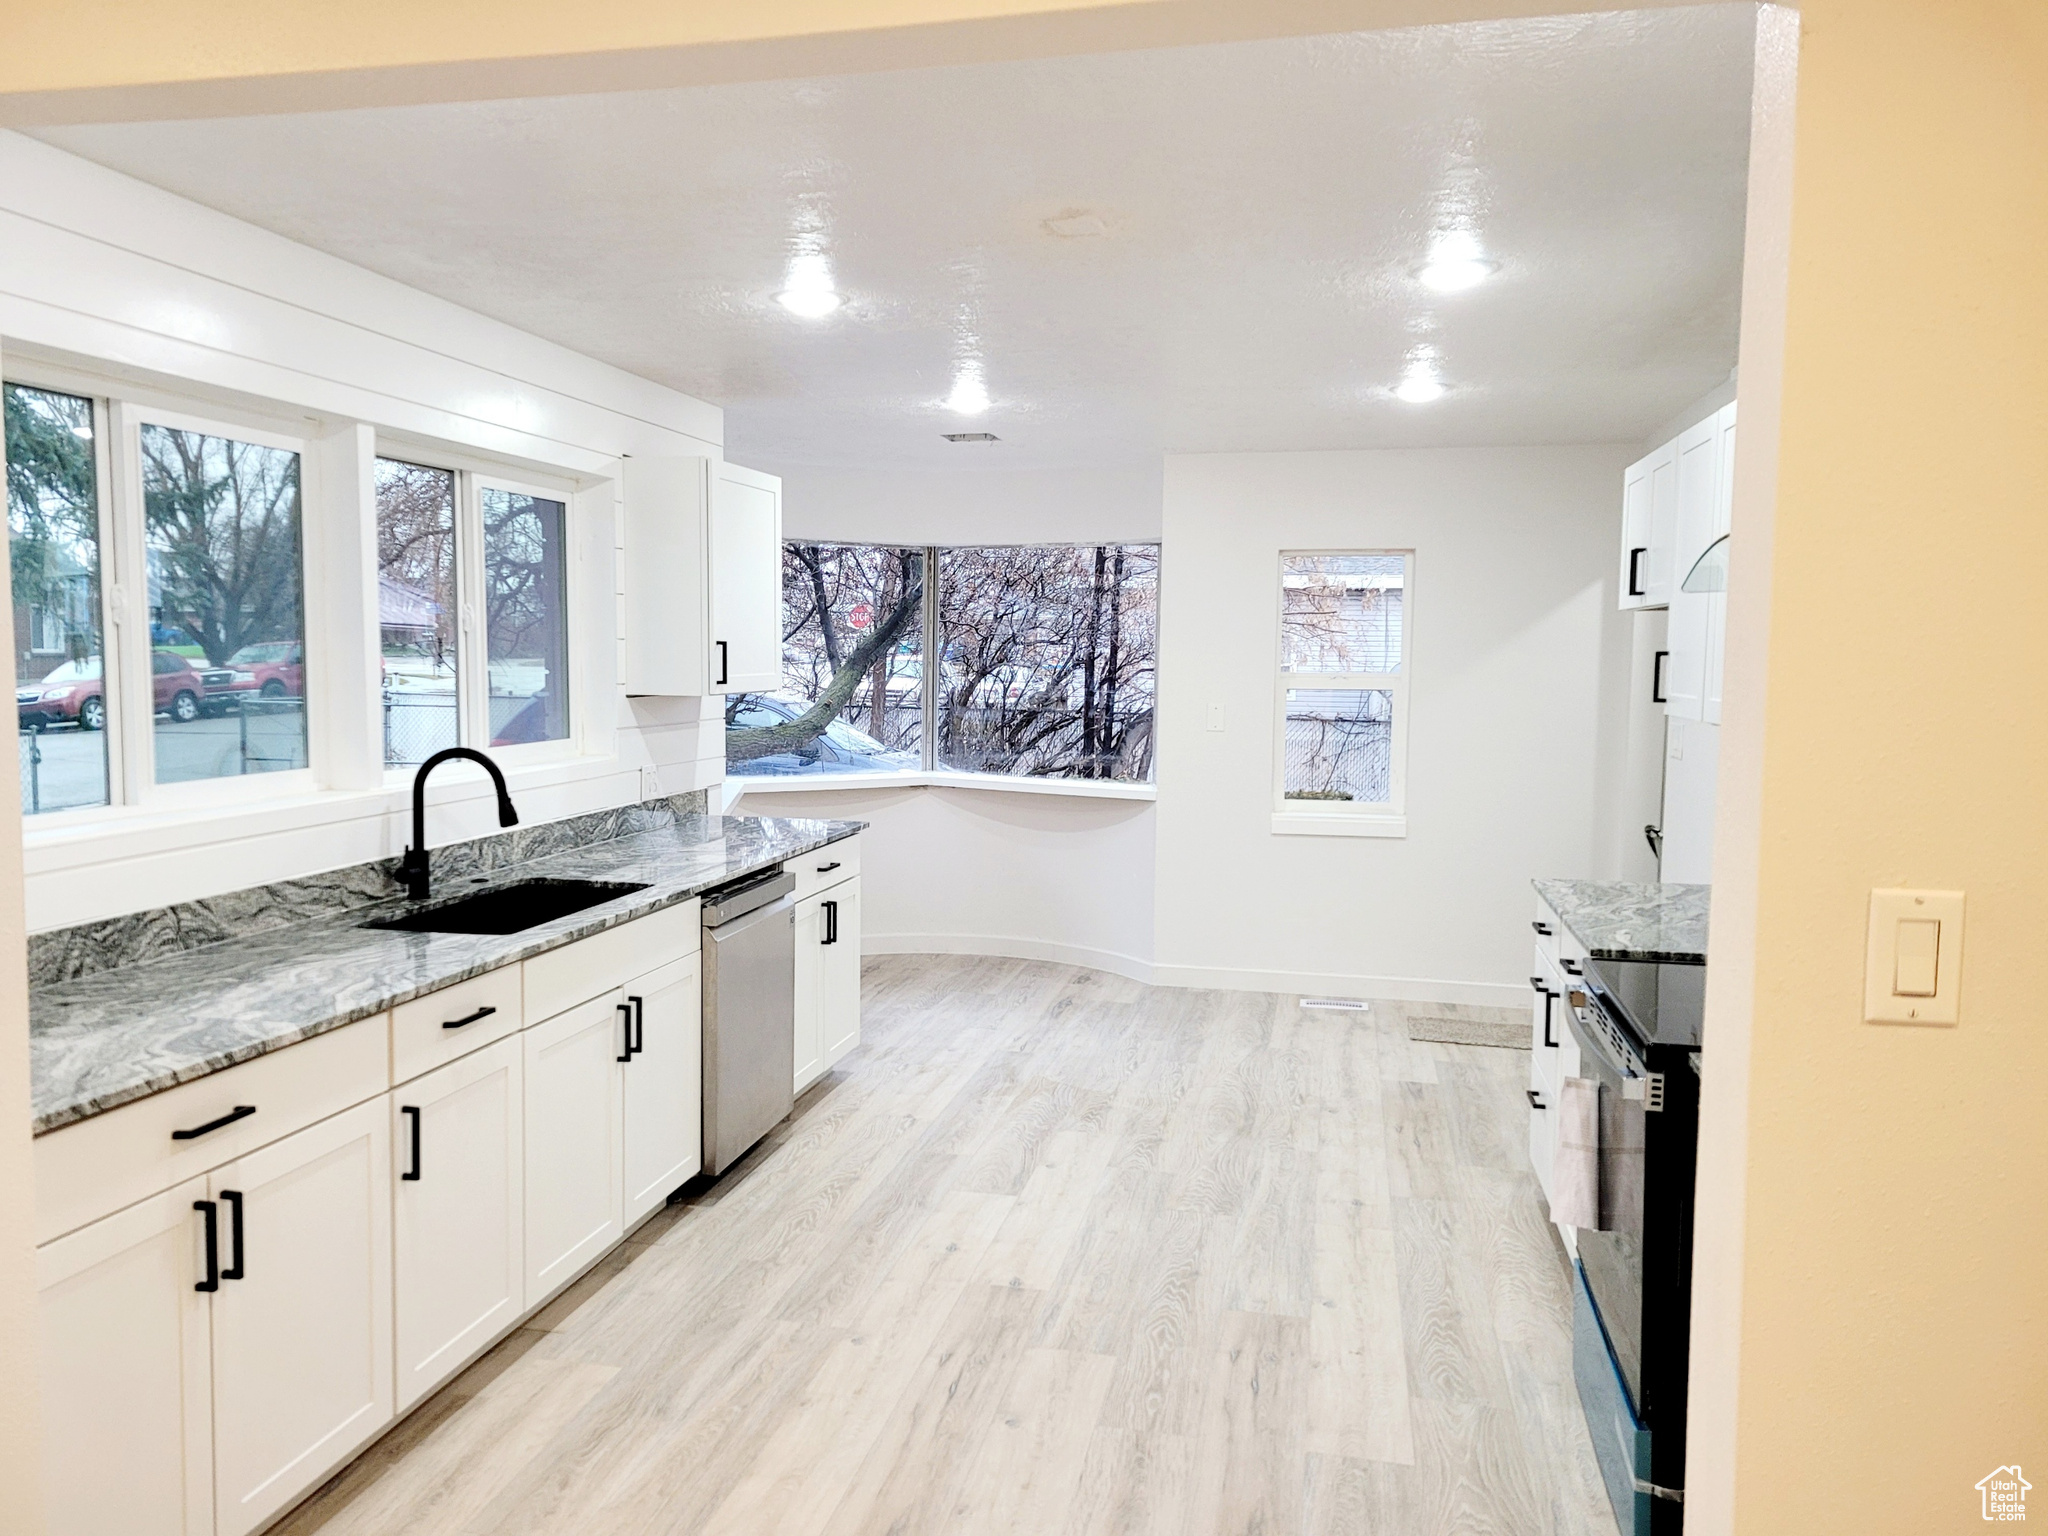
(1575,1172)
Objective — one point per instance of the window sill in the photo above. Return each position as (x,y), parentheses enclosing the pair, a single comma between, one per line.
(840,783)
(1358,824)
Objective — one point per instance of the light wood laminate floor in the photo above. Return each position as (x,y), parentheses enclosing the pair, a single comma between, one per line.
(1053,1254)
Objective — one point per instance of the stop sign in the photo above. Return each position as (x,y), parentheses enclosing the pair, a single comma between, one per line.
(860,617)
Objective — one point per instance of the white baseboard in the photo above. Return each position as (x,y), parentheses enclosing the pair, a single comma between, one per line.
(1406,989)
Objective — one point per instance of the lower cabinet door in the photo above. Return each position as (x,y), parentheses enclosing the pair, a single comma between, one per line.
(810,991)
(302,1319)
(458,1213)
(573,1180)
(663,1084)
(841,966)
(127,1387)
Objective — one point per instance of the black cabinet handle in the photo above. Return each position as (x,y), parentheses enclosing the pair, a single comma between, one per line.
(1535,1102)
(627,1010)
(236,1271)
(239,1112)
(207,1209)
(831,922)
(1572,968)
(639,1045)
(1537,983)
(826,869)
(1654,836)
(1657,677)
(1635,573)
(412,1111)
(1549,1012)
(724,663)
(1542,928)
(468,1018)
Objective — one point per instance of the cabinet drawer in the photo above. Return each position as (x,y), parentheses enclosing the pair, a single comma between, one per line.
(430,1030)
(826,866)
(86,1170)
(577,972)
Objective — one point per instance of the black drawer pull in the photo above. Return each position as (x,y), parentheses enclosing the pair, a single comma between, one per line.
(831,922)
(627,1031)
(1542,928)
(207,1209)
(1534,1101)
(235,1271)
(412,1113)
(1549,1012)
(639,1045)
(468,1018)
(1537,983)
(1572,968)
(826,869)
(239,1112)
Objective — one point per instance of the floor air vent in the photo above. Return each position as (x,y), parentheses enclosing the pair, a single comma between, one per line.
(1345,1004)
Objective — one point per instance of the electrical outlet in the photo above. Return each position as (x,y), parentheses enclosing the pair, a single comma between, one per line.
(650,783)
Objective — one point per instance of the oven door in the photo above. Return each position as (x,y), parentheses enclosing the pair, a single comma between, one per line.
(1612,1256)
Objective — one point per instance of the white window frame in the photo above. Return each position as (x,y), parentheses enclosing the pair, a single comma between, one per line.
(472,663)
(135,698)
(1342,818)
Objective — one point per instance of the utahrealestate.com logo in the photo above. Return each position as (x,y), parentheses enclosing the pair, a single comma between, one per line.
(2005,1494)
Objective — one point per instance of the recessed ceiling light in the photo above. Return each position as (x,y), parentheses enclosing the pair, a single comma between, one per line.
(970,393)
(1419,389)
(808,290)
(1455,262)
(970,437)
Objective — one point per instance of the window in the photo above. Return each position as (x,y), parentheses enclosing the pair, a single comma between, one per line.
(1046,671)
(526,575)
(53,542)
(227,613)
(1342,693)
(442,533)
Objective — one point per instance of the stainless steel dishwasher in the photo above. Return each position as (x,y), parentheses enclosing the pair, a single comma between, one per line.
(749,1013)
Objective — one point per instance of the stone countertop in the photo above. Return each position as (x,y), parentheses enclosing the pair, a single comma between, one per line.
(1622,920)
(118,1035)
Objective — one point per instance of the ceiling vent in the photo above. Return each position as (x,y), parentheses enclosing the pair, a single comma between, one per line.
(970,437)
(1077,226)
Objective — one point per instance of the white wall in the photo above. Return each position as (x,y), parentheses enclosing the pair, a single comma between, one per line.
(105,273)
(984,504)
(997,872)
(1517,716)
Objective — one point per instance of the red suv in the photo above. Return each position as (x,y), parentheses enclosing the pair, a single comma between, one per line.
(275,669)
(67,693)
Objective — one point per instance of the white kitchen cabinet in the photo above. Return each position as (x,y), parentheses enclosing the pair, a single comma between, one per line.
(458,1214)
(746,581)
(302,1375)
(827,978)
(841,971)
(662,1085)
(702,577)
(573,1114)
(1649,523)
(1706,456)
(127,1373)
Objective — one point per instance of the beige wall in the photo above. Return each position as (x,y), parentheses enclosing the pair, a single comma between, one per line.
(1871,1337)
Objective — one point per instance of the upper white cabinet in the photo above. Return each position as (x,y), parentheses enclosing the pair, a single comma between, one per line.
(746,581)
(703,576)
(1706,494)
(1649,524)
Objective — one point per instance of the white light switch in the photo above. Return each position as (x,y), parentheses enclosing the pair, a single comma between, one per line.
(1913,968)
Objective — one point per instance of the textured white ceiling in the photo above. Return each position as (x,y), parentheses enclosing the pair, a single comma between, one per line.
(1264,206)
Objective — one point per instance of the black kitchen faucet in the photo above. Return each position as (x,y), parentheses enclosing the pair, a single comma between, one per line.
(413,870)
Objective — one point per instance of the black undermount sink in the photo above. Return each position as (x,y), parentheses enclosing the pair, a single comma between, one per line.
(509,908)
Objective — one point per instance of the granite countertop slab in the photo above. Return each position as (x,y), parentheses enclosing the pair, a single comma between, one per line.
(106,1039)
(1624,920)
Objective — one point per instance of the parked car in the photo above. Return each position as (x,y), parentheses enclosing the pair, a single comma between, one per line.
(181,688)
(838,749)
(276,669)
(70,694)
